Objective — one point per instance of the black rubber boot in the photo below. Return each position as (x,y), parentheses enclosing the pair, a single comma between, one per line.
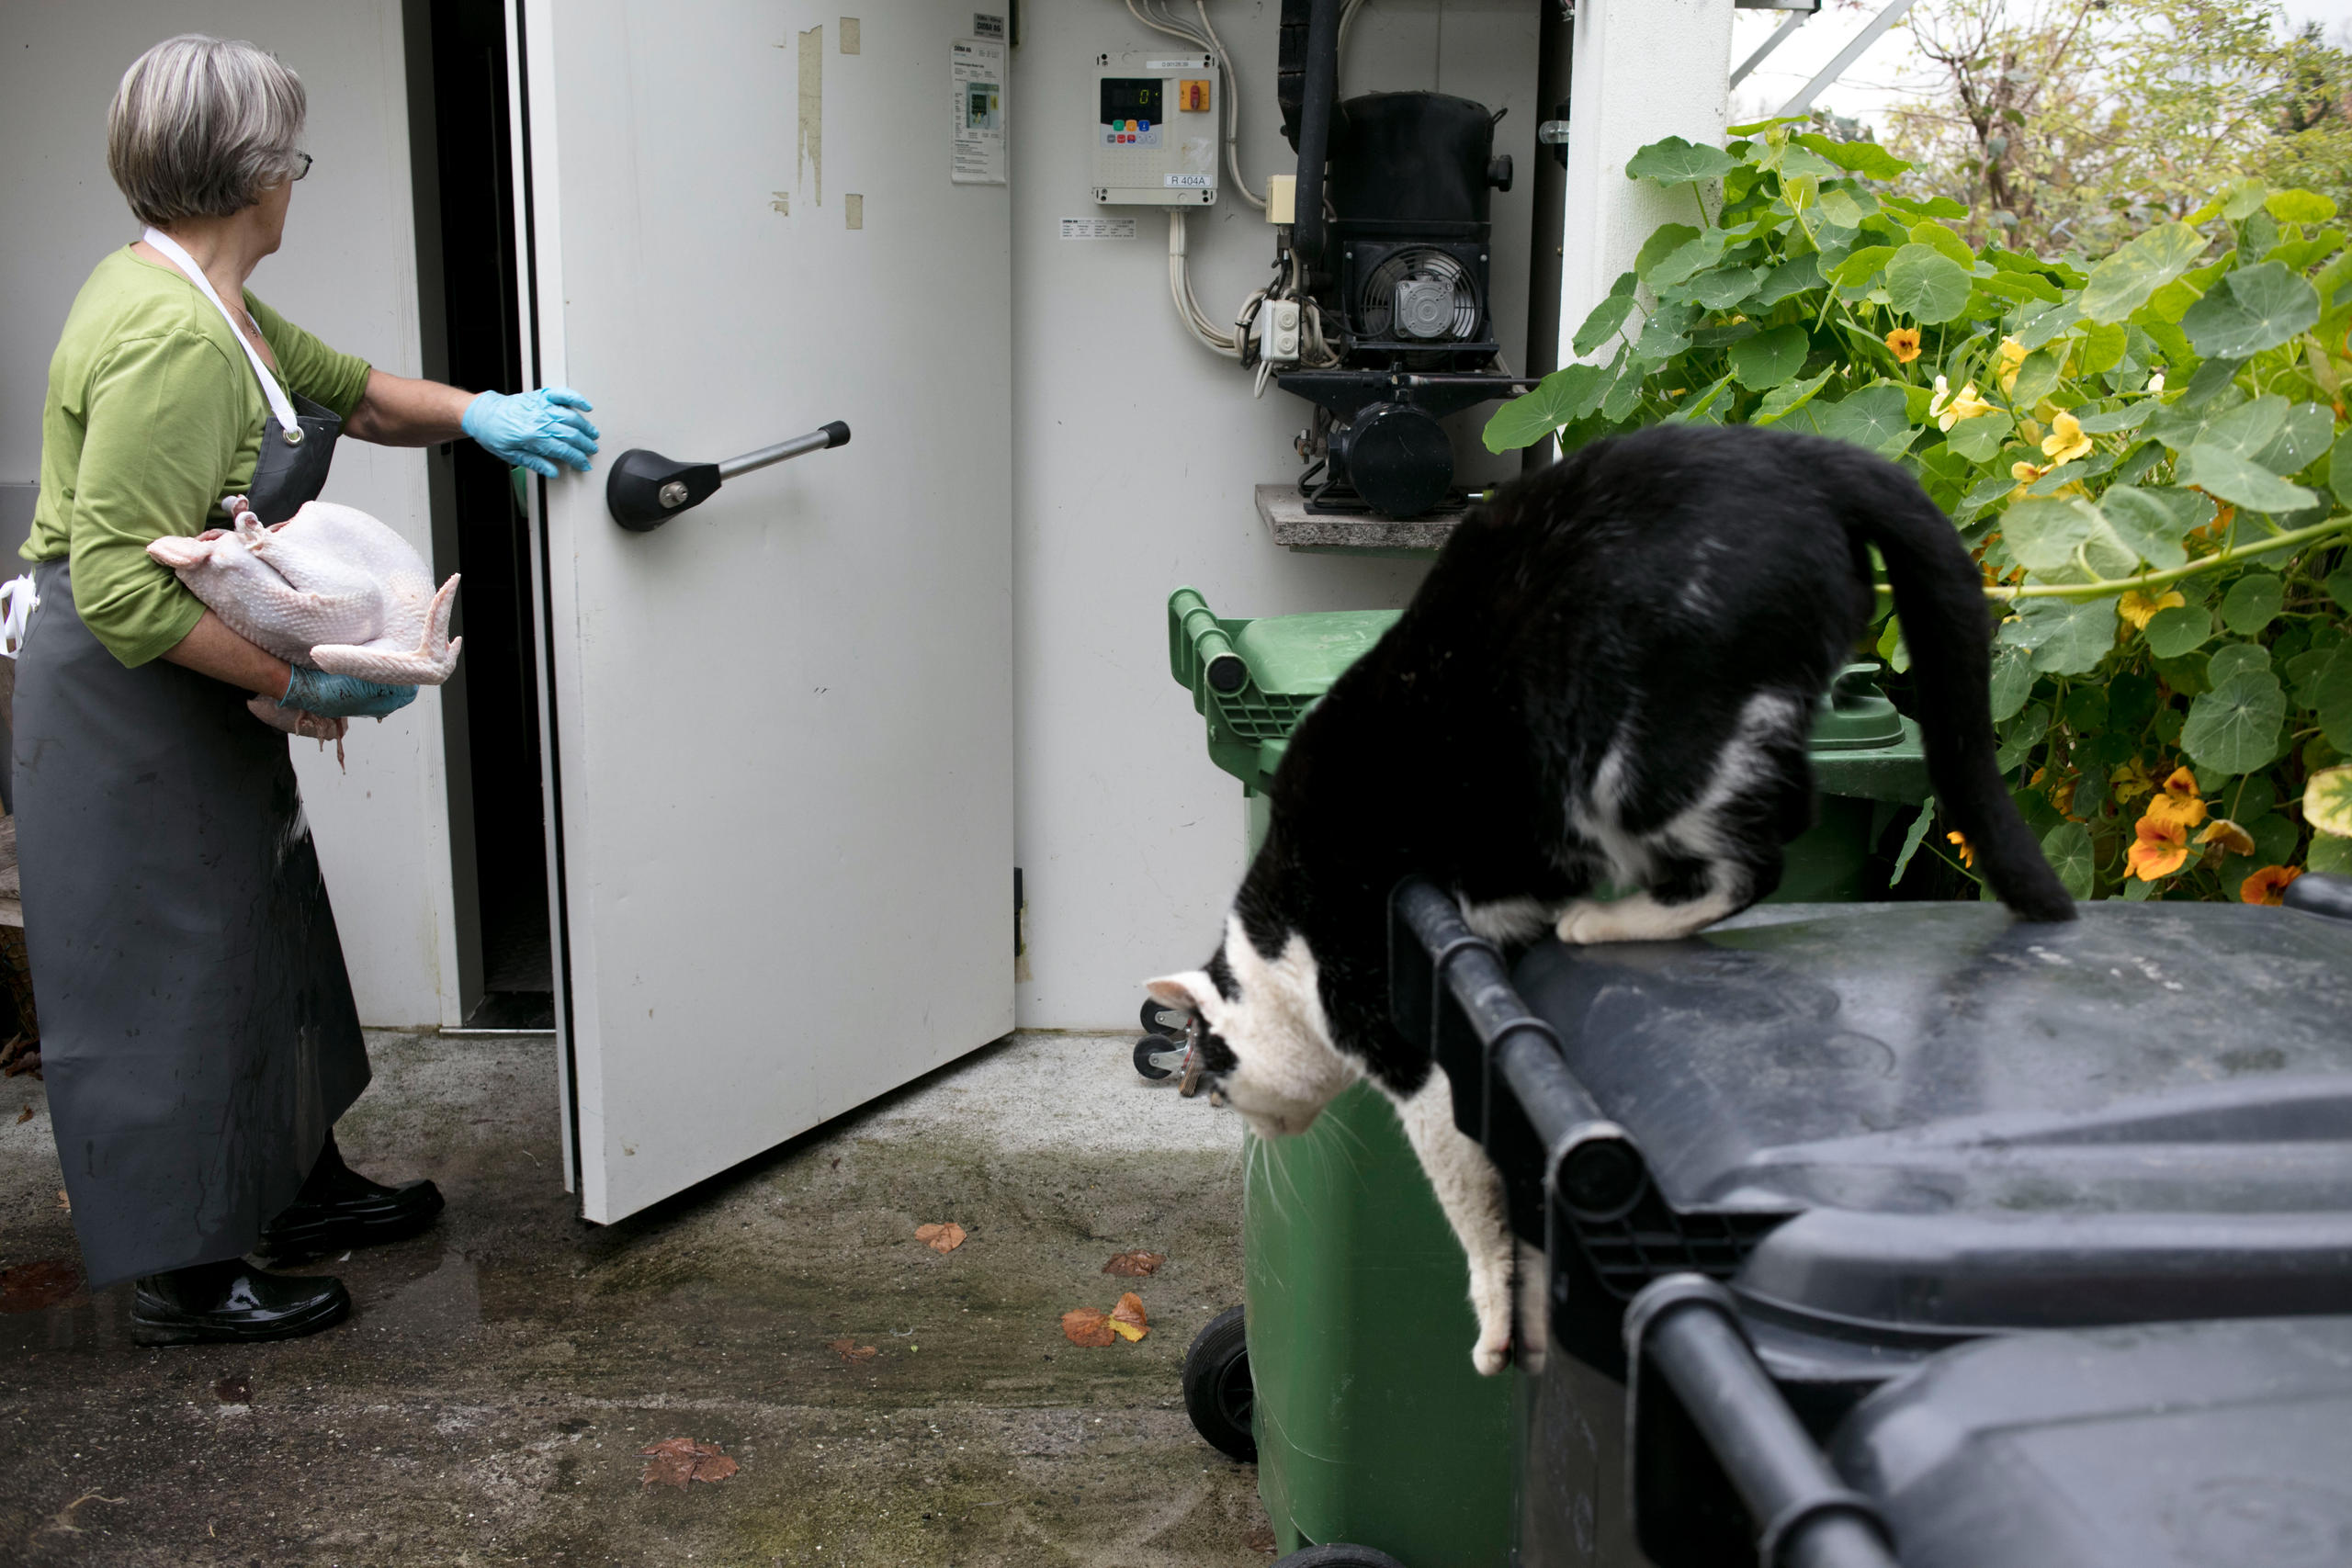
(338,1208)
(232,1301)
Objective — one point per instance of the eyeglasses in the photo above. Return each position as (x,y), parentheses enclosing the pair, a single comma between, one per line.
(306,164)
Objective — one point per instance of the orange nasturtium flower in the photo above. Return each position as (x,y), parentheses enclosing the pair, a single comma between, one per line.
(2013,355)
(2066,441)
(2138,609)
(1905,343)
(1967,850)
(2179,803)
(2265,886)
(2159,847)
(1947,408)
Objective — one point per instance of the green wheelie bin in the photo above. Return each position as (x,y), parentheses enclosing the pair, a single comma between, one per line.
(1349,1371)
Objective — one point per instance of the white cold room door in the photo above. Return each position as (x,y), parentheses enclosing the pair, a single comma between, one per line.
(780,726)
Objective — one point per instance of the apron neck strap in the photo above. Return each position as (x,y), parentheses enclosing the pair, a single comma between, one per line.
(279,402)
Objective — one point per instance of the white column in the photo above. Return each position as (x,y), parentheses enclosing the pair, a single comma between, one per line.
(1644,70)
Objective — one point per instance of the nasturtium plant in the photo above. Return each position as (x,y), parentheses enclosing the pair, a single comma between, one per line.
(2147,452)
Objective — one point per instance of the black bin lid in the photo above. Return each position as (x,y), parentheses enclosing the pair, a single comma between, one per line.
(2212,1445)
(1979,1125)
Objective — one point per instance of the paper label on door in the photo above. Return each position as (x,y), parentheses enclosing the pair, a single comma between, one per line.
(977,80)
(1098,228)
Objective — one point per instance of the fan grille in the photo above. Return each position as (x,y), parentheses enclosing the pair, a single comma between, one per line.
(1378,301)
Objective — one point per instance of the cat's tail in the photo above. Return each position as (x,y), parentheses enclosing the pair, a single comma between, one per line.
(1940,597)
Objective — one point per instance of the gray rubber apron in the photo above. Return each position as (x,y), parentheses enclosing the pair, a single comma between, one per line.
(197,1032)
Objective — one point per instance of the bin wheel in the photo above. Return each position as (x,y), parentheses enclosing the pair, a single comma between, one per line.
(1338,1557)
(1158,1017)
(1144,1064)
(1218,1395)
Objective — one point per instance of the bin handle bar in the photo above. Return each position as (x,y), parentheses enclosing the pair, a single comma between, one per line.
(1684,1328)
(1199,645)
(1593,1164)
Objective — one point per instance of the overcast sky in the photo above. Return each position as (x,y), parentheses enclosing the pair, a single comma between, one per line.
(1875,80)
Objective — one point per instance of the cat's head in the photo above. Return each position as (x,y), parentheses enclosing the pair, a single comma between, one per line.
(1264,1043)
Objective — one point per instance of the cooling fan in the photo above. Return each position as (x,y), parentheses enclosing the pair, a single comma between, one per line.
(1419,294)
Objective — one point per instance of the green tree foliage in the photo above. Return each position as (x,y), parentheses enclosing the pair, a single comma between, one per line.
(2075,123)
(2146,452)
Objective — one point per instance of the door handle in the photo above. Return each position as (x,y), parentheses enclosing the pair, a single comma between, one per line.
(646,490)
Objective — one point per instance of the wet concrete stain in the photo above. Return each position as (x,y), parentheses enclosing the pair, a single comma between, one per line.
(488,1400)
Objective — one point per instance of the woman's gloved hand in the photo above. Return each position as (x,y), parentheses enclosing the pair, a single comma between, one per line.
(534,430)
(342,696)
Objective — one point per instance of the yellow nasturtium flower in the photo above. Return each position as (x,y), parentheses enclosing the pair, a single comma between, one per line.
(2140,609)
(2012,356)
(2066,441)
(1947,408)
(1967,850)
(1905,343)
(2232,839)
(2179,803)
(2130,781)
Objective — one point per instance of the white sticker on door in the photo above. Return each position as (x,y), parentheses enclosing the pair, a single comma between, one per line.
(976,81)
(1098,228)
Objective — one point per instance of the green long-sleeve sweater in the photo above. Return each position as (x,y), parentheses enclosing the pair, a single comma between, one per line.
(153,417)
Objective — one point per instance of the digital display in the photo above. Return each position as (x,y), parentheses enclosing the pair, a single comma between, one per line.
(1131,97)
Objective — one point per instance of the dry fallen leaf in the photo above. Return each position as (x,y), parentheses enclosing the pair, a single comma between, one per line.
(849,1350)
(43,1283)
(1127,1319)
(237,1390)
(1260,1539)
(941,1239)
(1135,1264)
(23,1116)
(63,1201)
(1090,1326)
(673,1462)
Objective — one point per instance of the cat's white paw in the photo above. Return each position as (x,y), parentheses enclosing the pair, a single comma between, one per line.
(1490,1355)
(1581,923)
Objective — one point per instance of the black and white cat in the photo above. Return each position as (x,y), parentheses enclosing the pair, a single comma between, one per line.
(1609,677)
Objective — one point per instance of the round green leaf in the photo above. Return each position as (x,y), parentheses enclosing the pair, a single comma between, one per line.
(2012,682)
(2068,848)
(1979,439)
(2329,855)
(2299,206)
(2233,659)
(2252,602)
(1603,322)
(1677,161)
(2327,801)
(1770,359)
(2182,629)
(2066,636)
(1927,284)
(1940,237)
(2152,523)
(1562,398)
(2240,480)
(1724,287)
(2256,308)
(2121,284)
(2234,729)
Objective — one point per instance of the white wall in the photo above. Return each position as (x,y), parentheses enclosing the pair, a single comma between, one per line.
(348,273)
(1626,92)
(1135,455)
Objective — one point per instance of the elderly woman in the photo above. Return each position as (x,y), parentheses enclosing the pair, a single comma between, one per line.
(199,1037)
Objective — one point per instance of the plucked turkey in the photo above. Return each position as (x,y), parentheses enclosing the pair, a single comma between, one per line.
(330,587)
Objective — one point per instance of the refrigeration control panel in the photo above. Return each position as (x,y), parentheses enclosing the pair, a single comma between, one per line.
(1156,130)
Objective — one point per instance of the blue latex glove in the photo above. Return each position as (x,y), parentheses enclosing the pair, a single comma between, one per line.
(534,430)
(342,696)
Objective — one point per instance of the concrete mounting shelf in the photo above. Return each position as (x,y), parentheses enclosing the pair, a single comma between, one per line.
(1283,508)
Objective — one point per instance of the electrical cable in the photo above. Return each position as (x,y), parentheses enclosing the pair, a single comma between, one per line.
(1180,288)
(1232,111)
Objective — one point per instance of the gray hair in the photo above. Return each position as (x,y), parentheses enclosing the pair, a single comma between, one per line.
(199,126)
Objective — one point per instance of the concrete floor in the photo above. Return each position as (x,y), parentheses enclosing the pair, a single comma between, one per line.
(488,1399)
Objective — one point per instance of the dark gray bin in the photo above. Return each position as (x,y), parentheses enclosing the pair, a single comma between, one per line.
(1869,1136)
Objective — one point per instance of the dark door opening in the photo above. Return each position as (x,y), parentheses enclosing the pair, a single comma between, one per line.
(467,274)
